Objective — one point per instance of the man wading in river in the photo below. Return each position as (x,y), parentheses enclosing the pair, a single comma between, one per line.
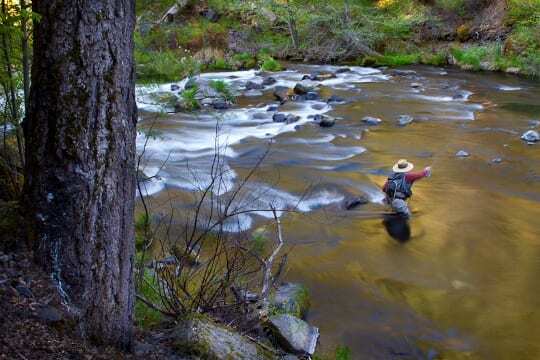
(398,186)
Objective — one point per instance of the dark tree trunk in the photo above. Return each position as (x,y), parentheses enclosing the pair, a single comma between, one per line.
(80,171)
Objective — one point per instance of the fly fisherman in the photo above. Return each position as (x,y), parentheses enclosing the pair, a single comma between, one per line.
(398,186)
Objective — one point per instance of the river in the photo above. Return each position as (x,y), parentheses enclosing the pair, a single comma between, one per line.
(461,279)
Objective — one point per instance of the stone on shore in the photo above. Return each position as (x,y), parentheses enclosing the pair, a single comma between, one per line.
(202,338)
(293,334)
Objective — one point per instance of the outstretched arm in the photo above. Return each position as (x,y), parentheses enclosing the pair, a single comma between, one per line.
(413,176)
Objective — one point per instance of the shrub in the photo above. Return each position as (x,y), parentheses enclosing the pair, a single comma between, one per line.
(189,98)
(163,66)
(223,88)
(270,64)
(398,59)
(220,64)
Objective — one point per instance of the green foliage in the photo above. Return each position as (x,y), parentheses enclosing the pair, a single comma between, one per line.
(219,64)
(398,59)
(270,64)
(163,66)
(189,98)
(223,89)
(259,242)
(340,353)
(437,59)
(146,317)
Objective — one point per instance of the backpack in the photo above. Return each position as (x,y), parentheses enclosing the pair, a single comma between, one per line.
(398,187)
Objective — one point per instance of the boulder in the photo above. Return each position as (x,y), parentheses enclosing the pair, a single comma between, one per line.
(293,334)
(292,118)
(354,202)
(326,121)
(335,99)
(220,104)
(462,154)
(301,89)
(531,136)
(343,70)
(318,106)
(405,120)
(290,298)
(252,85)
(269,81)
(279,117)
(281,93)
(175,87)
(272,108)
(200,337)
(370,120)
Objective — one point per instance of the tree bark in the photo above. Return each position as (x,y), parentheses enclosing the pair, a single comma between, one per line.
(80,170)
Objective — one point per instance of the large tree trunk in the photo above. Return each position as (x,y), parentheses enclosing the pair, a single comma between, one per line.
(80,172)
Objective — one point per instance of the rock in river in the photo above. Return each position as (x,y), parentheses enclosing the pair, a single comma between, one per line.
(531,136)
(293,334)
(269,81)
(405,120)
(327,121)
(370,120)
(301,89)
(354,202)
(335,99)
(462,154)
(252,85)
(281,93)
(279,117)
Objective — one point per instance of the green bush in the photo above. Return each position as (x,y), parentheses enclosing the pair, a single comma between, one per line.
(219,65)
(398,59)
(189,98)
(163,66)
(223,89)
(270,64)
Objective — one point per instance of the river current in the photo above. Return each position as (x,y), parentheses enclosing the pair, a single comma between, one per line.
(460,279)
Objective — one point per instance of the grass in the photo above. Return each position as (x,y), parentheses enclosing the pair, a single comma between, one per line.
(223,89)
(398,59)
(189,98)
(270,64)
(340,353)
(146,317)
(163,66)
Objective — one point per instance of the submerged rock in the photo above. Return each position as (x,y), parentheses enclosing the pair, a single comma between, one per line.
(416,85)
(293,334)
(202,338)
(253,93)
(318,106)
(272,108)
(292,118)
(327,121)
(301,89)
(335,99)
(405,120)
(354,202)
(462,154)
(290,298)
(496,160)
(531,136)
(279,117)
(370,120)
(343,70)
(312,95)
(175,87)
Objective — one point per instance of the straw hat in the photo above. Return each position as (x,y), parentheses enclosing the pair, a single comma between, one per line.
(402,166)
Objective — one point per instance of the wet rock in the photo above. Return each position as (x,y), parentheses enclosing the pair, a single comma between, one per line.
(312,96)
(354,202)
(370,120)
(405,120)
(175,87)
(293,334)
(301,89)
(311,77)
(496,160)
(23,291)
(291,118)
(416,85)
(253,93)
(202,338)
(279,117)
(281,93)
(335,99)
(461,95)
(318,106)
(272,108)
(325,76)
(531,136)
(513,70)
(398,72)
(326,121)
(290,298)
(462,154)
(534,123)
(260,116)
(221,104)
(252,85)
(343,70)
(49,314)
(269,81)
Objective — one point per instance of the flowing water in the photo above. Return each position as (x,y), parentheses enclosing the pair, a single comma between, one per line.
(461,279)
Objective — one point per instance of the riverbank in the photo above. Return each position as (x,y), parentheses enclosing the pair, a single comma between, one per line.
(228,35)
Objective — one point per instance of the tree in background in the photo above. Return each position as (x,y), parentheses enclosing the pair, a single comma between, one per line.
(80,160)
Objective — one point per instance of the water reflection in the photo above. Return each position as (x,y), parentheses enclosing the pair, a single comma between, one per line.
(397,227)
